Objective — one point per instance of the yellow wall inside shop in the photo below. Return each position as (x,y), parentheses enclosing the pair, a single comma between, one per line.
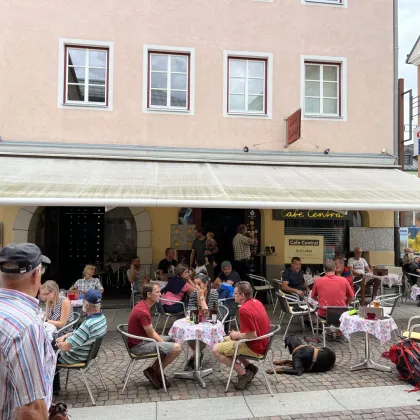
(273,234)
(380,257)
(7,217)
(162,218)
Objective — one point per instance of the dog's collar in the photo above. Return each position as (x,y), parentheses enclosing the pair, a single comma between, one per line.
(315,356)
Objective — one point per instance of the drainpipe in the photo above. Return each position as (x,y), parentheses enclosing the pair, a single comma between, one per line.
(397,262)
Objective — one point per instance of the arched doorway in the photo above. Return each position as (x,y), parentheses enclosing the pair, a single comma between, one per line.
(125,230)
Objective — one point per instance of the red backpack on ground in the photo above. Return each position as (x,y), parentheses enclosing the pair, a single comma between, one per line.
(406,357)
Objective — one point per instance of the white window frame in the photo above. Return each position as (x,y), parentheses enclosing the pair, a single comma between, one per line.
(62,72)
(343,86)
(146,77)
(329,3)
(268,57)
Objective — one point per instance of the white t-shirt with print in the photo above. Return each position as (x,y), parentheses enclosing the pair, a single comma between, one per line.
(359,266)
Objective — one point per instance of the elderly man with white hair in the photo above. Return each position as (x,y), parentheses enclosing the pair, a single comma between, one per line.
(359,266)
(27,359)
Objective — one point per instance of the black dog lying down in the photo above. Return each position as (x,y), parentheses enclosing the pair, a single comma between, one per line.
(304,358)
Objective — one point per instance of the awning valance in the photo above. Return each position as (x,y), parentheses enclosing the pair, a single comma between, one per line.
(78,182)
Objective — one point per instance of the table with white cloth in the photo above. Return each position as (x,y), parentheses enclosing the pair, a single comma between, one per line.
(77,305)
(51,330)
(309,279)
(211,334)
(380,328)
(415,291)
(388,280)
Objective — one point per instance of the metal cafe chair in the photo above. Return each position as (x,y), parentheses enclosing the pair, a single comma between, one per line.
(232,307)
(84,366)
(134,358)
(162,313)
(261,360)
(277,282)
(266,286)
(133,296)
(76,319)
(293,307)
(388,302)
(331,321)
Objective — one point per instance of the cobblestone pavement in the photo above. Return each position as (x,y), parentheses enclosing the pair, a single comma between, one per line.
(408,412)
(113,361)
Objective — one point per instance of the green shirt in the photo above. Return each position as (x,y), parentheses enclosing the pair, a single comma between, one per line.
(200,247)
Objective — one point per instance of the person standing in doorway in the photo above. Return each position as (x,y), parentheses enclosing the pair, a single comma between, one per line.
(27,359)
(137,275)
(198,249)
(168,263)
(242,250)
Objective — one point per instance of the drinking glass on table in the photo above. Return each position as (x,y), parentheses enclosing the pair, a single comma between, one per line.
(187,314)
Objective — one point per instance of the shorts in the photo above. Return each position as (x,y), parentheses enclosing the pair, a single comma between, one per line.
(147,347)
(227,348)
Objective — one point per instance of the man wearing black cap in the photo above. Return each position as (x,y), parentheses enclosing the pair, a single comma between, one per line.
(27,359)
(75,346)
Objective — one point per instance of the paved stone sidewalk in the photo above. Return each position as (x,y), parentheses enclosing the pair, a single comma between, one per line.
(113,361)
(407,412)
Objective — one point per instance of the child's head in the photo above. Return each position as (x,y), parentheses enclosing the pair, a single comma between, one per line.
(209,235)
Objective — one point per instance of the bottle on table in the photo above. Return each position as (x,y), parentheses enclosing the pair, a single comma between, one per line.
(197,316)
(200,314)
(213,313)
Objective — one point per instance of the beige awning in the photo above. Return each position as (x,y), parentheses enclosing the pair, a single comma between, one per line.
(74,182)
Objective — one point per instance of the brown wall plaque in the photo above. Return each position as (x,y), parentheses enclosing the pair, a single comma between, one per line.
(293,127)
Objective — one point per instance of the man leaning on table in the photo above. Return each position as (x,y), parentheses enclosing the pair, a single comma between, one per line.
(359,267)
(27,359)
(254,322)
(140,324)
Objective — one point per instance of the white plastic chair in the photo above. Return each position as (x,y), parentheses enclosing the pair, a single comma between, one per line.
(410,328)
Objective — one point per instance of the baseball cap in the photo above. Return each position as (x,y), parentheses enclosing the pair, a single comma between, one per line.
(226,264)
(27,256)
(93,296)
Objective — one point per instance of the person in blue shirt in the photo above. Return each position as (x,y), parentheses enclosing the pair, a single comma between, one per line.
(293,280)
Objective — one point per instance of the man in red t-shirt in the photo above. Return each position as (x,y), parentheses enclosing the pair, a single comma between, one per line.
(331,290)
(140,324)
(254,322)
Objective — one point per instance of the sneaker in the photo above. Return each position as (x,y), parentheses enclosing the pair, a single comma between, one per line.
(152,376)
(244,380)
(253,369)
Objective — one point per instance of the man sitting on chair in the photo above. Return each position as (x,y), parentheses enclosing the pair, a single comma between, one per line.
(293,281)
(254,322)
(140,324)
(331,290)
(75,346)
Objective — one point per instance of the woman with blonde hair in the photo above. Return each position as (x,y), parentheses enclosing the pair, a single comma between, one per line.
(88,282)
(58,308)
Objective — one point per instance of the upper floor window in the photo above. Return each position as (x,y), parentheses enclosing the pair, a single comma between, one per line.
(85,74)
(169,80)
(322,89)
(247,85)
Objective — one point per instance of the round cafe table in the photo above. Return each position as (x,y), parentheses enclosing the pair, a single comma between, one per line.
(380,328)
(210,334)
(388,280)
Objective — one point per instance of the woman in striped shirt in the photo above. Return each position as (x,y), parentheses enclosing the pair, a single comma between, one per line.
(205,297)
(58,311)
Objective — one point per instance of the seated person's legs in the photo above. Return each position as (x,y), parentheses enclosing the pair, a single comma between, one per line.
(190,363)
(173,309)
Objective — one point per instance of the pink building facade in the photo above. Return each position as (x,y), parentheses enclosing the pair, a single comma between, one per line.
(219,75)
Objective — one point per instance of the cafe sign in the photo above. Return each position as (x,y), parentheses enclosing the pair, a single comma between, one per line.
(309,248)
(310,214)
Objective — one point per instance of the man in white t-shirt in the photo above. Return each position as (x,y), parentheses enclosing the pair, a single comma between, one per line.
(359,266)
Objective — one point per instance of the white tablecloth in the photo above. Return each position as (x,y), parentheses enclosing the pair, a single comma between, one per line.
(76,303)
(389,280)
(415,291)
(50,329)
(210,334)
(380,328)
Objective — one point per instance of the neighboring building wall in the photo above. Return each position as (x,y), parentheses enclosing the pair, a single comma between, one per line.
(7,217)
(284,31)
